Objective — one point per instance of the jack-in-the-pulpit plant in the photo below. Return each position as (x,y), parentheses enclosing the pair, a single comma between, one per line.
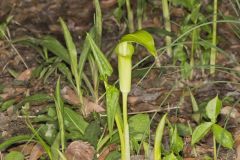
(125,50)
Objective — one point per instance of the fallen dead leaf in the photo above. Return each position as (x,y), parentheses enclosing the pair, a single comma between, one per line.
(25,149)
(107,3)
(37,152)
(106,151)
(79,150)
(71,97)
(25,75)
(232,112)
(10,91)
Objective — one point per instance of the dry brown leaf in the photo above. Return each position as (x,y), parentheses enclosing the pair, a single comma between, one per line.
(79,150)
(37,152)
(25,75)
(107,3)
(71,97)
(25,149)
(10,91)
(228,110)
(106,151)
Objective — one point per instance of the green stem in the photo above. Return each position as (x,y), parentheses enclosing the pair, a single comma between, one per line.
(214,148)
(120,132)
(125,126)
(130,17)
(167,25)
(214,40)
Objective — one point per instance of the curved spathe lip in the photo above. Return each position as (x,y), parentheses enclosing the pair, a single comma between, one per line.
(125,49)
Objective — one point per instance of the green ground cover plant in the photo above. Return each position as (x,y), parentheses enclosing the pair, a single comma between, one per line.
(89,72)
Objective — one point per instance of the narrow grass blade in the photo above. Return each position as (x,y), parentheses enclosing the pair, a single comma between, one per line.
(60,113)
(98,23)
(70,46)
(14,140)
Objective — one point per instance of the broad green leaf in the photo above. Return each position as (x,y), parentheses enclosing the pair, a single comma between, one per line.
(143,38)
(200,131)
(176,141)
(70,46)
(213,108)
(170,157)
(158,138)
(138,130)
(14,155)
(112,98)
(74,121)
(53,45)
(14,140)
(92,133)
(222,136)
(104,66)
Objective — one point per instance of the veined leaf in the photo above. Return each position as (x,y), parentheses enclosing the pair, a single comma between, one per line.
(143,38)
(213,108)
(222,136)
(138,130)
(112,97)
(104,66)
(73,120)
(200,131)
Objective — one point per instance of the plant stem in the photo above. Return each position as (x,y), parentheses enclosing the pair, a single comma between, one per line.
(125,126)
(130,17)
(214,40)
(214,148)
(167,25)
(120,132)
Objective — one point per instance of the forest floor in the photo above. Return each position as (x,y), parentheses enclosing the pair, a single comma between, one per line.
(154,90)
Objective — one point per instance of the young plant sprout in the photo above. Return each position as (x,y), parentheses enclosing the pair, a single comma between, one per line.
(125,51)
